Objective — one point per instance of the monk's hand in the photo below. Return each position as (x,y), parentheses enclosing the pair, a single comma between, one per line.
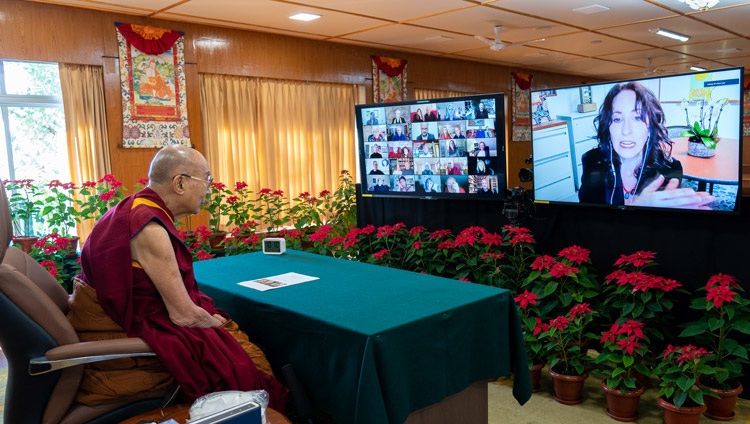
(198,317)
(672,196)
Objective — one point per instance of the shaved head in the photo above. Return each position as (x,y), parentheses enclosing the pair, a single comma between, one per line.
(172,160)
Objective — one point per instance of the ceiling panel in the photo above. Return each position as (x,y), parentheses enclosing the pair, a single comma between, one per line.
(611,44)
(276,15)
(619,11)
(589,44)
(644,32)
(396,11)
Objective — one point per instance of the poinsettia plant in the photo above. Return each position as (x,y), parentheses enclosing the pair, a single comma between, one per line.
(95,198)
(678,373)
(723,313)
(566,336)
(216,205)
(630,292)
(239,206)
(533,326)
(59,207)
(271,209)
(562,280)
(624,348)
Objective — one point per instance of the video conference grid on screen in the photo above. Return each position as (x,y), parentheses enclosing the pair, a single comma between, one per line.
(441,147)
(572,165)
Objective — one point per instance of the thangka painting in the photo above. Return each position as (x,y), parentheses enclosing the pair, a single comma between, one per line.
(388,79)
(152,61)
(520,108)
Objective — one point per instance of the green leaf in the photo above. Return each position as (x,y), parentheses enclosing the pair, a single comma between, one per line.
(628,360)
(693,329)
(742,326)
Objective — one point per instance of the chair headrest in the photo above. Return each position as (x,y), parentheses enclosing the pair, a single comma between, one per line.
(6,223)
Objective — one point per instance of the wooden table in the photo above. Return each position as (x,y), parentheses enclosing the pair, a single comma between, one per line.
(722,168)
(373,344)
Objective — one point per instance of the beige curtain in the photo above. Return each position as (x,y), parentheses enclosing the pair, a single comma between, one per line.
(283,135)
(428,93)
(85,125)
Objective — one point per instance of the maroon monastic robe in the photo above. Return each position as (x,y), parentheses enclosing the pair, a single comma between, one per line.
(202,360)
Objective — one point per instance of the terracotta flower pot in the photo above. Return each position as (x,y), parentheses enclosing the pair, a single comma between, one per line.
(216,240)
(622,406)
(25,243)
(683,415)
(567,389)
(536,374)
(722,409)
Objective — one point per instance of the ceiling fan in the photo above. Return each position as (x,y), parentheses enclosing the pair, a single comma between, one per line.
(497,44)
(650,68)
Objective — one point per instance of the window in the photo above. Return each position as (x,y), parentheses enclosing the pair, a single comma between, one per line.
(32,122)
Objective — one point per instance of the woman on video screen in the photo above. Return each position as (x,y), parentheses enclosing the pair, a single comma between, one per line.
(632,165)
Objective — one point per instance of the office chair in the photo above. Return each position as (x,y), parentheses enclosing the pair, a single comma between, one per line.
(45,356)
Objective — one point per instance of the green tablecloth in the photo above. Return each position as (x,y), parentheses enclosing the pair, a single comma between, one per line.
(371,344)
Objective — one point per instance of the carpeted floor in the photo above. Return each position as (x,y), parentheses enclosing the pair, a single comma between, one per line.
(543,409)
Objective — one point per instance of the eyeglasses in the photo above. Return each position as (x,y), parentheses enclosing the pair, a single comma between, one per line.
(207,181)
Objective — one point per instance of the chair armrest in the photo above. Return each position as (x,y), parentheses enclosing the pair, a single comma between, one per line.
(87,352)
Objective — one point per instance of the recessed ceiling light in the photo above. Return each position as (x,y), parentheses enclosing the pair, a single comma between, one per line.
(304,17)
(671,34)
(594,8)
(438,38)
(697,68)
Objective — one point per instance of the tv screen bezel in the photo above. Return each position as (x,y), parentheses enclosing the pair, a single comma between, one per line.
(735,211)
(500,138)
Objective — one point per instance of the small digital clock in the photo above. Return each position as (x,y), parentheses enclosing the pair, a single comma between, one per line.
(274,246)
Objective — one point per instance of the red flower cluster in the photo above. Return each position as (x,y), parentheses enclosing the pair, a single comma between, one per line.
(687,353)
(719,289)
(380,254)
(525,299)
(543,263)
(389,230)
(492,256)
(575,254)
(50,266)
(540,326)
(560,322)
(560,270)
(321,233)
(64,186)
(579,309)
(625,336)
(469,236)
(52,243)
(637,259)
(439,234)
(519,235)
(641,281)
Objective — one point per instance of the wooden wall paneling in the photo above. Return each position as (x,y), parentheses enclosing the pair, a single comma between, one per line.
(83,36)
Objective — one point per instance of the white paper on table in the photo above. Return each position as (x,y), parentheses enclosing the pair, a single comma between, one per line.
(277,281)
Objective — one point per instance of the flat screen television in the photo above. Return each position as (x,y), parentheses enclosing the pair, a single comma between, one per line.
(451,148)
(629,144)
